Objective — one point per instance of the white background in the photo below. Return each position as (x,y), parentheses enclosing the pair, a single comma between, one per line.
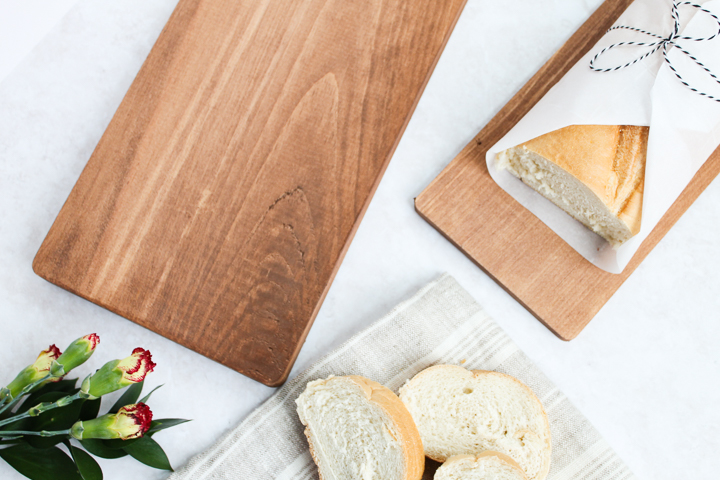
(645,371)
(23,23)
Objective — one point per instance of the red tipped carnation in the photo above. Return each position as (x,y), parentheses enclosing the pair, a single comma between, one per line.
(35,372)
(141,417)
(78,352)
(52,351)
(137,366)
(94,340)
(131,421)
(118,374)
(45,359)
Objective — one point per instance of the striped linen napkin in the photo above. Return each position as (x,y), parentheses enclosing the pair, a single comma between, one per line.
(440,324)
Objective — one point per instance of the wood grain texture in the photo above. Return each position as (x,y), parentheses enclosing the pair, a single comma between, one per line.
(221,199)
(555,283)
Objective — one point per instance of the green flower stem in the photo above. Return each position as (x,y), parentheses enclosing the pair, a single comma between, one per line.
(10,440)
(44,407)
(42,433)
(24,391)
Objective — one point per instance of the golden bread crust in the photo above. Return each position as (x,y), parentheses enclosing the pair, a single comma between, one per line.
(489,453)
(608,159)
(412,444)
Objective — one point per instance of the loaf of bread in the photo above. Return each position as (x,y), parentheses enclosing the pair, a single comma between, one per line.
(359,429)
(593,172)
(464,412)
(486,466)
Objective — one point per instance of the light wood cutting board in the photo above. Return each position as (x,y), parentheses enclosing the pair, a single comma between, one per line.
(221,199)
(557,285)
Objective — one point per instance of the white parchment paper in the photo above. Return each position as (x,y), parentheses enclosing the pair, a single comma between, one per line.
(684,126)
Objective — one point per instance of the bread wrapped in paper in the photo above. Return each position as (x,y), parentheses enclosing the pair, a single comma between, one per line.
(595,173)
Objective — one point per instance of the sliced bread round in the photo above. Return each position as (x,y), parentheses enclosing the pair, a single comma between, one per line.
(486,466)
(359,429)
(464,412)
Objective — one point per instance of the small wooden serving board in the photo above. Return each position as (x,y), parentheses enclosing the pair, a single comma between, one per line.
(555,283)
(219,203)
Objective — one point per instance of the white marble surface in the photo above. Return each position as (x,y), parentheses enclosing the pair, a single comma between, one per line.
(645,371)
(23,25)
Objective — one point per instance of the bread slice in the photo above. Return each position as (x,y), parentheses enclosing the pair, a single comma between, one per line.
(464,412)
(359,429)
(486,466)
(593,172)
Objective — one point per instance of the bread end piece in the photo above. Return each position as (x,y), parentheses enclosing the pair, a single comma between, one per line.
(488,465)
(595,173)
(357,428)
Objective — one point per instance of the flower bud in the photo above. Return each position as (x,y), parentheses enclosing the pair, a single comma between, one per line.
(118,374)
(131,421)
(78,352)
(4,395)
(37,371)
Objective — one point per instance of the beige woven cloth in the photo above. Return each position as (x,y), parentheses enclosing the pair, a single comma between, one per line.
(440,324)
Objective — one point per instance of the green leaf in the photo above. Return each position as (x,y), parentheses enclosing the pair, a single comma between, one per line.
(164,423)
(56,419)
(18,425)
(24,424)
(98,448)
(48,397)
(86,465)
(45,397)
(51,463)
(28,423)
(44,442)
(67,386)
(147,397)
(155,427)
(119,444)
(147,451)
(129,397)
(90,409)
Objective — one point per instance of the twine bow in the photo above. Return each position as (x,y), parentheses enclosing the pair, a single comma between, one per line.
(666,44)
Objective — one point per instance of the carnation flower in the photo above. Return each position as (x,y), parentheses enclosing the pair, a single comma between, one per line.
(131,421)
(118,374)
(37,371)
(78,352)
(137,365)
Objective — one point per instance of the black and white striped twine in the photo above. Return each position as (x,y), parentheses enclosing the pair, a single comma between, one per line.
(666,44)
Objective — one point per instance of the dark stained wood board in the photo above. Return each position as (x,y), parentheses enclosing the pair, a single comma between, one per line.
(220,201)
(555,283)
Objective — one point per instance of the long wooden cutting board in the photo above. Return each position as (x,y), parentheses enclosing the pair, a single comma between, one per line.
(557,285)
(221,199)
